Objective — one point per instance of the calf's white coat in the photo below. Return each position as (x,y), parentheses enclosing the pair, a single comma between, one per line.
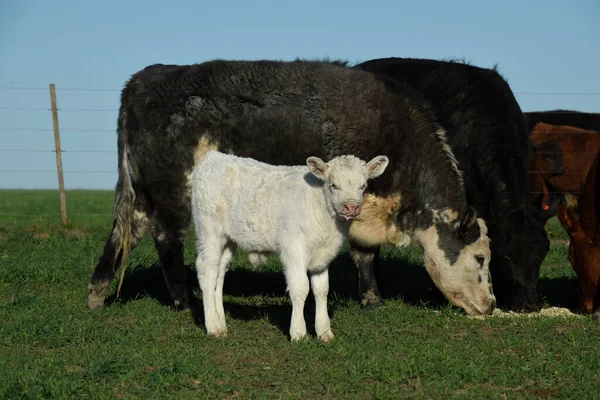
(300,213)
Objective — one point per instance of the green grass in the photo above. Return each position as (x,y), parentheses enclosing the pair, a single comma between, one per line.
(51,346)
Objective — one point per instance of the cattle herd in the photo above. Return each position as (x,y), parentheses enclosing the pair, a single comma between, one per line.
(266,156)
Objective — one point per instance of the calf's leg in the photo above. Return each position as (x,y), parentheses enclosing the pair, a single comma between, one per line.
(298,287)
(211,252)
(319,282)
(226,257)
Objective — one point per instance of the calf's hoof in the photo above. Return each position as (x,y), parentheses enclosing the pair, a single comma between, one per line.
(218,333)
(296,337)
(327,336)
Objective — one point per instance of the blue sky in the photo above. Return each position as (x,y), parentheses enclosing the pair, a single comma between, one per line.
(540,47)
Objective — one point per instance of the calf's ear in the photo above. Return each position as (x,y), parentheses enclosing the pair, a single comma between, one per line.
(376,166)
(317,167)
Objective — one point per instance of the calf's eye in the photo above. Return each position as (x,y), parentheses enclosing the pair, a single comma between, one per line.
(363,187)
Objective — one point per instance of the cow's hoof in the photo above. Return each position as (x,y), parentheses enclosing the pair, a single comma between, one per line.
(371,300)
(95,301)
(97,295)
(182,306)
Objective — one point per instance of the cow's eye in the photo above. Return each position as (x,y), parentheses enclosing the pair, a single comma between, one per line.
(334,187)
(363,187)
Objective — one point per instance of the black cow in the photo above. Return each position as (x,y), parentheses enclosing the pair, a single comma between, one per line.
(582,120)
(281,113)
(486,130)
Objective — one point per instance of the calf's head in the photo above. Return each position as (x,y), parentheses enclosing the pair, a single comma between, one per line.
(345,180)
(457,256)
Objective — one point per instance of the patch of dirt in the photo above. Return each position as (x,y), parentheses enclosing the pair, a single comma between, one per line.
(544,312)
(3,235)
(74,369)
(37,232)
(545,393)
(77,232)
(149,369)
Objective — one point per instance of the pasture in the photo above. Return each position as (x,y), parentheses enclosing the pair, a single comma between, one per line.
(52,346)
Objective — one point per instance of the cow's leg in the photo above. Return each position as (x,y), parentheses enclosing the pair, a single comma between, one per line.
(104,272)
(169,230)
(367,261)
(298,287)
(319,283)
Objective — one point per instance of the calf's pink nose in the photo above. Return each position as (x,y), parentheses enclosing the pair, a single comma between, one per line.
(351,209)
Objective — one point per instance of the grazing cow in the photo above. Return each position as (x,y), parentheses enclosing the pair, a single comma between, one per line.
(281,113)
(302,214)
(578,146)
(545,161)
(486,130)
(584,247)
(581,120)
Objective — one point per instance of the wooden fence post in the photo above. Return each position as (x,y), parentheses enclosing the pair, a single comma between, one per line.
(59,168)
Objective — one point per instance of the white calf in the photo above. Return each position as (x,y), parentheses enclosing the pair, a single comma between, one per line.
(300,213)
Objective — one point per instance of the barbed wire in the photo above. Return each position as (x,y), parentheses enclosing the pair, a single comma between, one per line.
(54,151)
(71,89)
(41,171)
(58,109)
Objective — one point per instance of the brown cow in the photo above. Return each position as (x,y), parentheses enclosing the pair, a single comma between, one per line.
(579,147)
(584,248)
(545,161)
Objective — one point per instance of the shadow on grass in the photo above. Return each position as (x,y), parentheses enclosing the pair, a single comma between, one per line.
(263,292)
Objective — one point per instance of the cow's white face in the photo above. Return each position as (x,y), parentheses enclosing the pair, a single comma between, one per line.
(458,259)
(345,180)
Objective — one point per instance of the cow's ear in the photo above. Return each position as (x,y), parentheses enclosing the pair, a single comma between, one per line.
(468,229)
(317,166)
(469,217)
(376,166)
(568,219)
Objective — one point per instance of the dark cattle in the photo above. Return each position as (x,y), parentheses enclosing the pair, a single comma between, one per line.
(281,113)
(545,161)
(584,247)
(590,121)
(486,130)
(579,147)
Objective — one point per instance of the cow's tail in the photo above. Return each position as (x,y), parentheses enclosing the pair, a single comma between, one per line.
(123,206)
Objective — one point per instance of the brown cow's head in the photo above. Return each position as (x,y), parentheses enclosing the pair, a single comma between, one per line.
(545,162)
(547,159)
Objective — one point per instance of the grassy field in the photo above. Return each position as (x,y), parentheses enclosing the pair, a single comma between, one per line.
(417,346)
